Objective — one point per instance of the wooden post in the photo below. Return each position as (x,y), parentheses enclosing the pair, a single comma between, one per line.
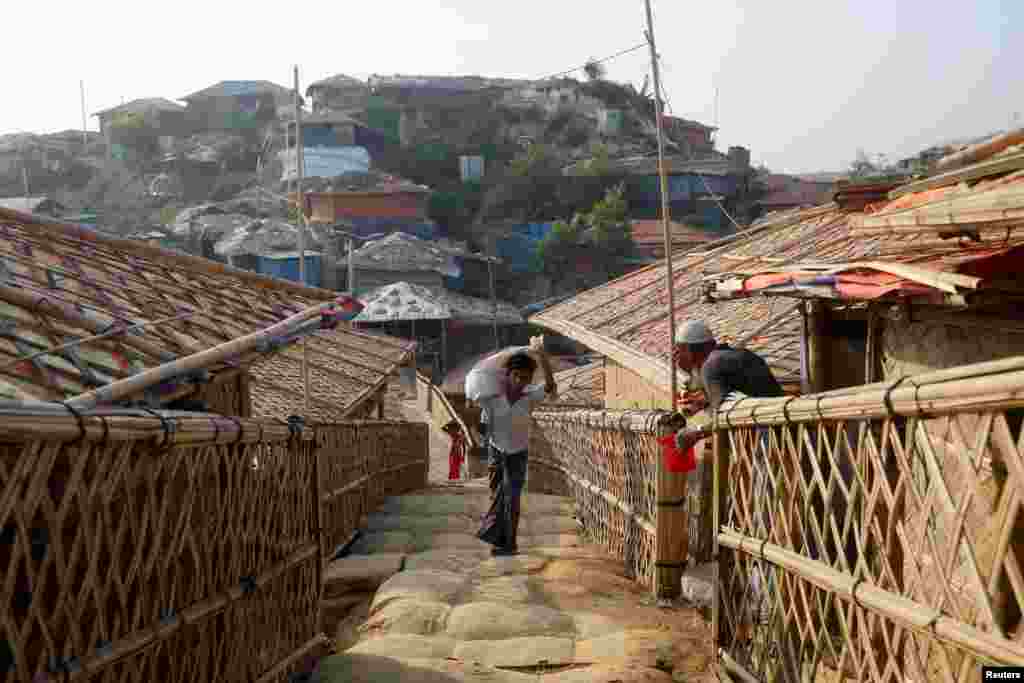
(380,403)
(673,529)
(351,269)
(444,346)
(817,346)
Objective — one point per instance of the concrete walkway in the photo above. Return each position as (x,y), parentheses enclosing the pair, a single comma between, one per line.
(421,600)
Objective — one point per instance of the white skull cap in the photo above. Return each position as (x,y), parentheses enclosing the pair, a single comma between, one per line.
(693,332)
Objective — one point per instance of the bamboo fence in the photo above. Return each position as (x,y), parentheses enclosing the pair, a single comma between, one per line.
(610,463)
(889,542)
(143,546)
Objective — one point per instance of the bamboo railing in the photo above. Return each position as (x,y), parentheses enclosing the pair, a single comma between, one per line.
(887,540)
(610,463)
(178,547)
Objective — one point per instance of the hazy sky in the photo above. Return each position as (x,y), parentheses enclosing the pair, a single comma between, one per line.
(803,84)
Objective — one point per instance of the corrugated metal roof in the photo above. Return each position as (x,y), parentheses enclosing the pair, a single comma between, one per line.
(405,301)
(143,105)
(238,89)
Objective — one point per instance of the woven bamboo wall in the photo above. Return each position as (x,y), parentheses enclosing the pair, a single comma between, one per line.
(608,462)
(910,568)
(168,547)
(971,462)
(626,390)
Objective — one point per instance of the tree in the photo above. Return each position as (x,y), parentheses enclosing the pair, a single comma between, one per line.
(599,162)
(594,70)
(862,166)
(603,231)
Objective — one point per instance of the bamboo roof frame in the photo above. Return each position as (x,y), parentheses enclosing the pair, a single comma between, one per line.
(84,307)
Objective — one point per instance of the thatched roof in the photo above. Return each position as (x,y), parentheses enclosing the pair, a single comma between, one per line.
(627,320)
(952,244)
(580,386)
(81,310)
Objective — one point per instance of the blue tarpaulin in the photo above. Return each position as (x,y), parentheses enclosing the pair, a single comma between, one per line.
(286,266)
(519,252)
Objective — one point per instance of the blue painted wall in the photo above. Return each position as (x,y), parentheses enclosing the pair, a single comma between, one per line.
(288,268)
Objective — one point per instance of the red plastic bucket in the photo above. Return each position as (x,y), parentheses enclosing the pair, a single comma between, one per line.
(676,460)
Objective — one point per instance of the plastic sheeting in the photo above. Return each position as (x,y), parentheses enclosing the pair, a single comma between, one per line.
(327,162)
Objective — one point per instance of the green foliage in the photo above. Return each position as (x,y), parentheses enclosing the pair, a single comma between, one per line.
(538,160)
(604,229)
(594,70)
(599,163)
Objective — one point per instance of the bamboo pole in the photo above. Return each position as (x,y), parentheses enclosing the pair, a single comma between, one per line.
(203,359)
(981,151)
(908,399)
(817,346)
(665,206)
(299,172)
(904,611)
(494,303)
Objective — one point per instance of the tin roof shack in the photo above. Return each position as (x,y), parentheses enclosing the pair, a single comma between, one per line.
(432,316)
(329,147)
(51,162)
(399,257)
(695,138)
(41,206)
(395,201)
(697,187)
(932,287)
(236,105)
(338,93)
(417,110)
(781,192)
(86,310)
(157,113)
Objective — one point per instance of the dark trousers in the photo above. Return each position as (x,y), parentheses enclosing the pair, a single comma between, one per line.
(507,477)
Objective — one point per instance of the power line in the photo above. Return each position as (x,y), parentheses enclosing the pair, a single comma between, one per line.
(703,180)
(595,61)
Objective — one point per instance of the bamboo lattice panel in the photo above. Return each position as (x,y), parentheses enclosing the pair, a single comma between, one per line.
(922,511)
(361,463)
(136,561)
(125,557)
(608,462)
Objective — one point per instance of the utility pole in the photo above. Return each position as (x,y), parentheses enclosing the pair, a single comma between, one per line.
(494,302)
(665,209)
(85,129)
(301,226)
(351,269)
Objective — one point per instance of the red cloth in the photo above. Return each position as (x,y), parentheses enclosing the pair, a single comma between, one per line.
(676,460)
(455,457)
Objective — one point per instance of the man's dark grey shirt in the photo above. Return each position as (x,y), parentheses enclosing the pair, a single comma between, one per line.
(728,369)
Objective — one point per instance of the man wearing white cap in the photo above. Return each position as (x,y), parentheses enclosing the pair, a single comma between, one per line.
(720,370)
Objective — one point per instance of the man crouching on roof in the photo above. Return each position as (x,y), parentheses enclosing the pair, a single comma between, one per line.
(508,426)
